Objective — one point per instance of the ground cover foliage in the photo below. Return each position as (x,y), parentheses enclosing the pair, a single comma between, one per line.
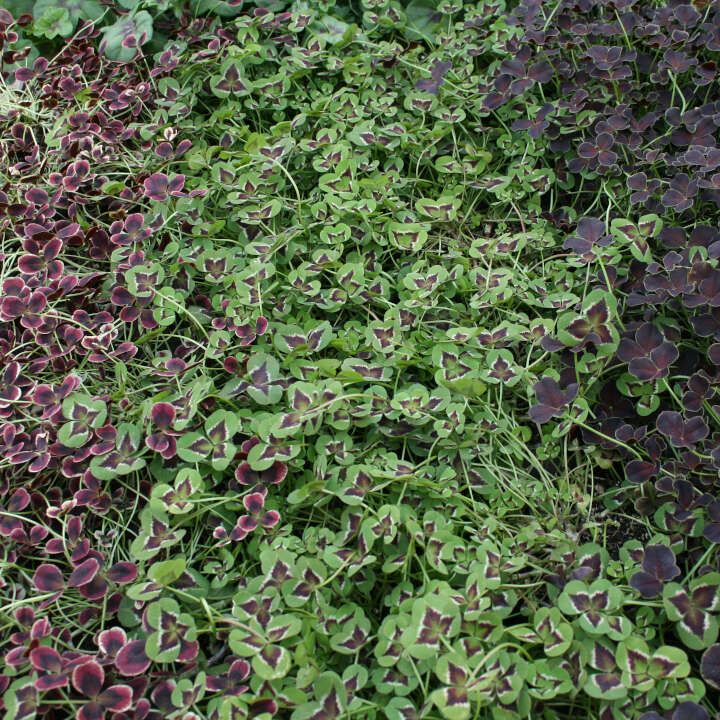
(359,360)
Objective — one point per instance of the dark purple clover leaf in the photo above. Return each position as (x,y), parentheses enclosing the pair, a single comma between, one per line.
(658,567)
(642,188)
(689,710)
(599,150)
(710,666)
(640,471)
(708,293)
(552,401)
(682,433)
(681,193)
(432,85)
(714,353)
(590,232)
(649,356)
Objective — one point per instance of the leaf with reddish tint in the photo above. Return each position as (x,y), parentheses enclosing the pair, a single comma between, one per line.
(84,573)
(88,679)
(122,573)
(91,711)
(48,578)
(111,641)
(132,659)
(160,187)
(46,660)
(116,698)
(162,415)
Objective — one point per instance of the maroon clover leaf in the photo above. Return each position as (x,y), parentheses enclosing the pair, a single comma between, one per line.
(26,640)
(231,682)
(12,526)
(110,642)
(35,451)
(27,308)
(88,679)
(257,515)
(163,442)
(50,397)
(50,666)
(160,187)
(130,231)
(9,387)
(132,659)
(44,262)
(88,576)
(276,473)
(49,579)
(53,669)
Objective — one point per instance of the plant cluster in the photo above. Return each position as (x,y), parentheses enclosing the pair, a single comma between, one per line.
(359,360)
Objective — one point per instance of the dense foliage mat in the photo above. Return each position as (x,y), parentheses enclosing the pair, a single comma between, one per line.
(359,360)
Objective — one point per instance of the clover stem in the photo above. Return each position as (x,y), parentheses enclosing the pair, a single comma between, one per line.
(493,652)
(672,393)
(699,563)
(607,437)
